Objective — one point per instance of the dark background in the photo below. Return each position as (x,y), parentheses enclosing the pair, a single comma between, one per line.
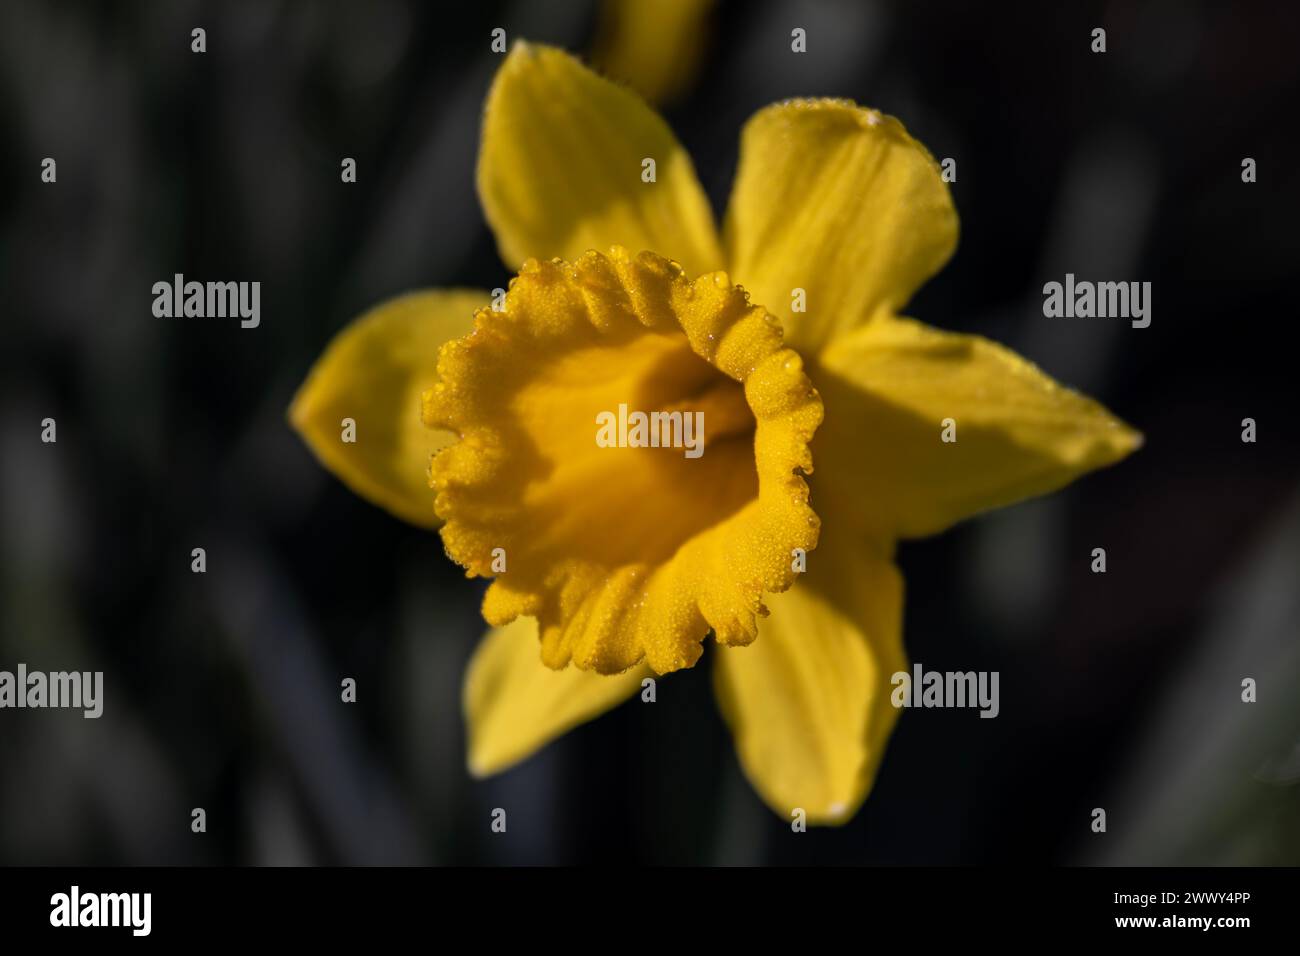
(1119,690)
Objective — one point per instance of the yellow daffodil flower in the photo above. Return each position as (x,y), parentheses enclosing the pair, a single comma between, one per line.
(619,562)
(655,48)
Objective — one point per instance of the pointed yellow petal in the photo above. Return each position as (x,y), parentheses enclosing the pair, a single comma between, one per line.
(622,549)
(882,461)
(840,202)
(515,704)
(656,48)
(808,703)
(561,165)
(374,373)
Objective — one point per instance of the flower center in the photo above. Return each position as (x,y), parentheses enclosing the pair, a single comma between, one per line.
(631,459)
(627,449)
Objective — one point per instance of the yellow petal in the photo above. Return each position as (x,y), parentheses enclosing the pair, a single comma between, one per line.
(374,373)
(656,48)
(808,703)
(624,553)
(515,705)
(882,463)
(560,168)
(840,202)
